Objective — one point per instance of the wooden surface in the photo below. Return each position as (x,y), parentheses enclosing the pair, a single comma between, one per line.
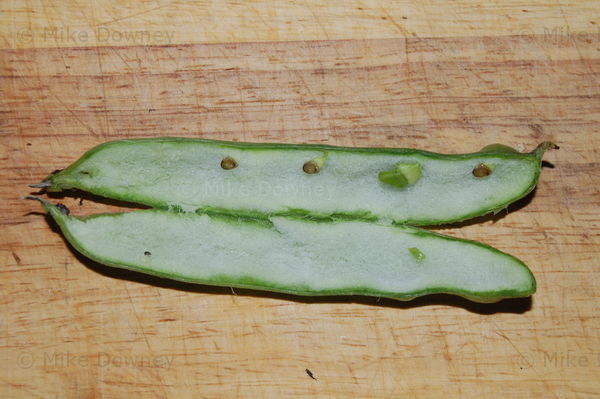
(445,80)
(160,22)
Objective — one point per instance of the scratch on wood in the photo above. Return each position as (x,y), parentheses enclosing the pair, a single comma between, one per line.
(310,374)
(529,365)
(73,114)
(538,130)
(17,258)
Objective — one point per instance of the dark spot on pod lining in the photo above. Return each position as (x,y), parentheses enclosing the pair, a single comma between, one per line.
(482,170)
(228,163)
(56,171)
(310,168)
(147,253)
(63,209)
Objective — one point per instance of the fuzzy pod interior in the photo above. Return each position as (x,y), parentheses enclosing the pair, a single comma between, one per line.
(295,255)
(394,185)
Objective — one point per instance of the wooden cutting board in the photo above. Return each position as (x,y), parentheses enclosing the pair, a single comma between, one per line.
(74,328)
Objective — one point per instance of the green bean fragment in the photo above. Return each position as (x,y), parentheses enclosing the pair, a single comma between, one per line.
(405,174)
(417,254)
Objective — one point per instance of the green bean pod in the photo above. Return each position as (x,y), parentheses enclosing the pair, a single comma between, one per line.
(404,186)
(296,255)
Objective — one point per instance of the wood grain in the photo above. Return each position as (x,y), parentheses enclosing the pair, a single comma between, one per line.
(166,22)
(73,328)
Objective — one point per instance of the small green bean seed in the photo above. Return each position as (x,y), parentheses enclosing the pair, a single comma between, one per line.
(482,170)
(228,163)
(311,167)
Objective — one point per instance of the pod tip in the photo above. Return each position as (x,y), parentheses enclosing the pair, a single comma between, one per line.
(549,145)
(34,198)
(543,147)
(43,184)
(31,197)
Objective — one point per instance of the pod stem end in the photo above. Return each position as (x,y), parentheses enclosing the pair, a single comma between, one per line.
(43,184)
(34,198)
(543,147)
